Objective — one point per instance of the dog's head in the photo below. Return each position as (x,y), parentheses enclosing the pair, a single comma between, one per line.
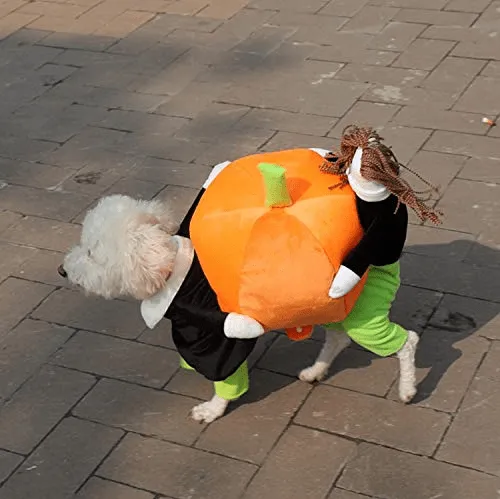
(126,248)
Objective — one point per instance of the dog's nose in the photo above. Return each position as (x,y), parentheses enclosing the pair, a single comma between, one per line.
(62,272)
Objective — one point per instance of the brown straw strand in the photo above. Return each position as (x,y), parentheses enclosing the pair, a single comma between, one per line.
(379,164)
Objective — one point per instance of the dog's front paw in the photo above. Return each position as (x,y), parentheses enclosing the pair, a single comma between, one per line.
(209,411)
(313,373)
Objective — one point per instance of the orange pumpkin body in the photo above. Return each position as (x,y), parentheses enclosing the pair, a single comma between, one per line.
(276,265)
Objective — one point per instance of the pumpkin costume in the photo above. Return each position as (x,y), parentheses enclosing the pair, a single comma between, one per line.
(290,214)
(359,229)
(270,235)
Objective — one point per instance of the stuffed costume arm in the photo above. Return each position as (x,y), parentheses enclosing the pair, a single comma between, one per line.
(384,224)
(382,244)
(215,321)
(355,264)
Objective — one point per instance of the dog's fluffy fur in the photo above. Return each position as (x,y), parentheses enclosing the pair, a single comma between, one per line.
(126,248)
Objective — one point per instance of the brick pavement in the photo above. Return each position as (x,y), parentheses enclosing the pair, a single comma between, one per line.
(101,96)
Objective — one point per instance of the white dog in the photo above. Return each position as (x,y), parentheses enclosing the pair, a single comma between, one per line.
(128,247)
(133,248)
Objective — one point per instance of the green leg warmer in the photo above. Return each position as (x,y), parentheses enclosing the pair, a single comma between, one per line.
(368,323)
(232,387)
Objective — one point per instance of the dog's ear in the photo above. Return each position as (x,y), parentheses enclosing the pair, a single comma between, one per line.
(164,223)
(152,256)
(162,214)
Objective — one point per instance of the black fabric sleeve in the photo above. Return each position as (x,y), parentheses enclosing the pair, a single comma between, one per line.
(200,340)
(364,254)
(384,236)
(198,329)
(210,319)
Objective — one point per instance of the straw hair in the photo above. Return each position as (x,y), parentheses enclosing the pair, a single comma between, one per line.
(379,164)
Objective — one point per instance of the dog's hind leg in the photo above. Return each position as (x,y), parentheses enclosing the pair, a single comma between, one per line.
(335,342)
(407,377)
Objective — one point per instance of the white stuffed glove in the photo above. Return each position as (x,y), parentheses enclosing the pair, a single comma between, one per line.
(343,282)
(242,326)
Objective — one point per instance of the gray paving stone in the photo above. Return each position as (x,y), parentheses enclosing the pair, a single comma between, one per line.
(372,473)
(397,36)
(39,405)
(453,74)
(362,371)
(31,174)
(7,219)
(19,298)
(374,114)
(470,441)
(62,462)
(134,188)
(463,144)
(259,418)
(439,243)
(8,463)
(172,470)
(485,251)
(179,198)
(373,419)
(288,122)
(192,384)
(72,308)
(481,202)
(464,279)
(93,94)
(424,54)
(117,358)
(466,316)
(484,170)
(289,357)
(161,335)
(97,488)
(413,307)
(346,93)
(345,494)
(141,410)
(40,268)
(304,464)
(13,257)
(44,203)
(479,97)
(163,171)
(25,349)
(42,233)
(370,19)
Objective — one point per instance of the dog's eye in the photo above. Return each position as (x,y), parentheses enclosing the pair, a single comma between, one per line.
(89,253)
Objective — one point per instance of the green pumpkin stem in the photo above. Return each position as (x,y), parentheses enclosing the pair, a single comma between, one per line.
(277,195)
